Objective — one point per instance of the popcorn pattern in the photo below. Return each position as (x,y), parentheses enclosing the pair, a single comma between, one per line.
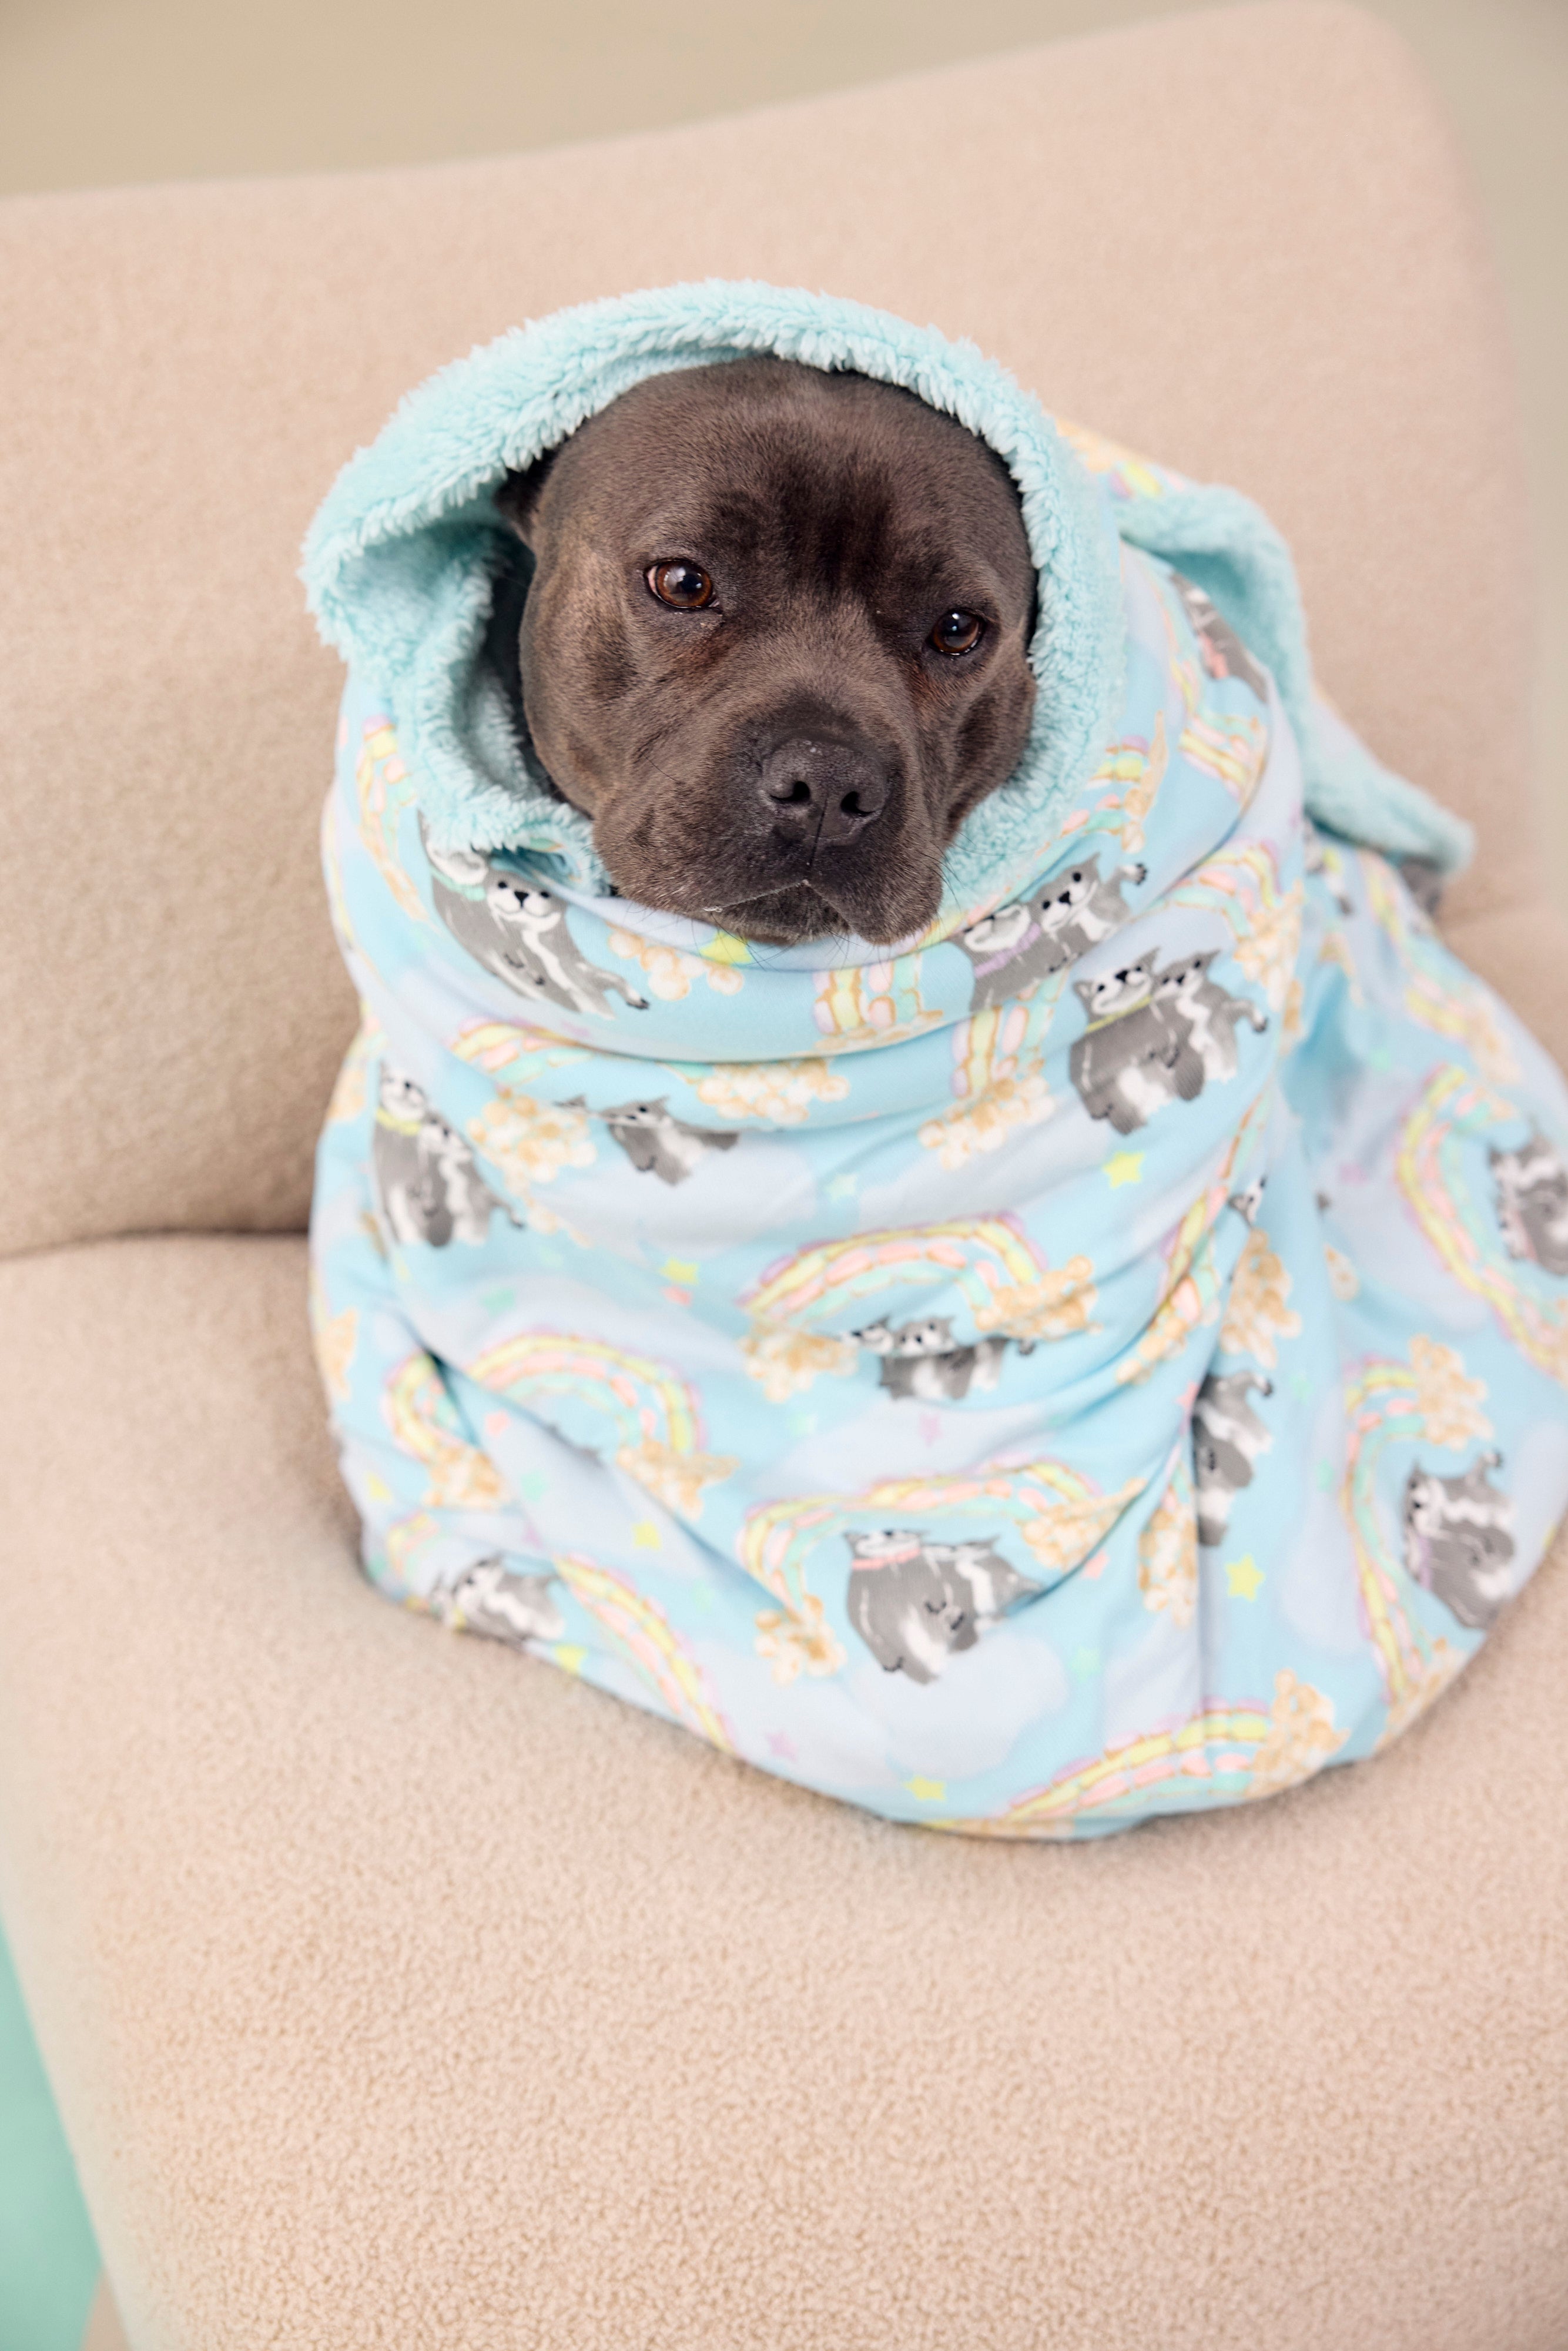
(531,1142)
(1257,1318)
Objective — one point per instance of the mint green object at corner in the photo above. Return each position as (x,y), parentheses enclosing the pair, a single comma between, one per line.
(49,2261)
(1104,1356)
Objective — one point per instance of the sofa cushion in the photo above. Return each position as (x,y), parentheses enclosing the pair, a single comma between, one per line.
(1237,241)
(401,1990)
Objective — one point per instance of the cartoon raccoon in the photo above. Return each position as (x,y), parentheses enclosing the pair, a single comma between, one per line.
(1019,945)
(519,933)
(1226,1438)
(1131,1061)
(1326,862)
(659,1144)
(1077,910)
(1202,1015)
(915,1604)
(999,946)
(1249,1199)
(427,1179)
(460,892)
(909,1613)
(1219,649)
(1458,1541)
(921,1359)
(568,978)
(1531,1196)
(992,1582)
(489,1598)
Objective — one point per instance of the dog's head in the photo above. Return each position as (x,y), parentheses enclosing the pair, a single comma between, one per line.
(775,644)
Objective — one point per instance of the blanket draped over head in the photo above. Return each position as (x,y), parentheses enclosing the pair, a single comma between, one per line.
(1106,1355)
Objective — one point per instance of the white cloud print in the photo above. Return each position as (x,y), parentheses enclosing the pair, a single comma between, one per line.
(969,1720)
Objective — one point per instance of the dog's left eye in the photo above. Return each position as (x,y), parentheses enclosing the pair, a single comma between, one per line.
(686,586)
(957,632)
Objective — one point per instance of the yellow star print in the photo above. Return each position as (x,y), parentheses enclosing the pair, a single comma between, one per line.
(927,1792)
(1124,1168)
(1244,1577)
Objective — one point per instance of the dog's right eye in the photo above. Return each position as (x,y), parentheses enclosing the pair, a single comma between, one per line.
(685,586)
(957,632)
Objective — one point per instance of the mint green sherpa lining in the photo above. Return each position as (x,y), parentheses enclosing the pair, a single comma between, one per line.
(400,561)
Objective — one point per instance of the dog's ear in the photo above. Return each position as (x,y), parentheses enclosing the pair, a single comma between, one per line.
(516,500)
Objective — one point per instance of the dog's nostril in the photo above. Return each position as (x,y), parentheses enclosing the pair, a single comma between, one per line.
(824,793)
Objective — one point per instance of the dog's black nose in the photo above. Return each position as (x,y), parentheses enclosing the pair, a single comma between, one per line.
(824,793)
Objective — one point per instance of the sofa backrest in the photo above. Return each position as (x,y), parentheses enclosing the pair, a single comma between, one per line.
(1239,241)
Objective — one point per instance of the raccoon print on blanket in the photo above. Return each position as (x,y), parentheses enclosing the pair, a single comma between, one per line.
(1104,1356)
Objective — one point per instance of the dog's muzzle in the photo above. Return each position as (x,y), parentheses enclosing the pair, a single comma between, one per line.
(822,795)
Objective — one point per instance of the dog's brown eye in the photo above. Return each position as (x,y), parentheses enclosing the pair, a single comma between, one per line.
(686,586)
(957,632)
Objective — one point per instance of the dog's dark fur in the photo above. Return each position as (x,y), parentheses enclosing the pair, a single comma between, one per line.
(791,759)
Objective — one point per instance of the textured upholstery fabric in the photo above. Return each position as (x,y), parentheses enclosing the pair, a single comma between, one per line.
(400,1992)
(1236,242)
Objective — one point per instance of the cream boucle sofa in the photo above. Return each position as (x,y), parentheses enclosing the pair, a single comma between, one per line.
(399,1993)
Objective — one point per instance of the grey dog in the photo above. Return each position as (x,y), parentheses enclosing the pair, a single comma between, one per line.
(768,626)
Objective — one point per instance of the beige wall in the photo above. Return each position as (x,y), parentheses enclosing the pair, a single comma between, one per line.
(94,92)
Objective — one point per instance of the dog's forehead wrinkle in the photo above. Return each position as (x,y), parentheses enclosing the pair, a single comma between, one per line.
(707,418)
(867,516)
(697,518)
(864,523)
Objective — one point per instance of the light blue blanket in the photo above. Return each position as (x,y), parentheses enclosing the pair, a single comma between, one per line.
(1106,1355)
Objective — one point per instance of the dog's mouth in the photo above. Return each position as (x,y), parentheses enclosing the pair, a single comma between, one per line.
(810,838)
(779,897)
(787,914)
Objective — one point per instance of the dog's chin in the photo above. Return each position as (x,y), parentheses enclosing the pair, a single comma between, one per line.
(882,900)
(783,918)
(800,911)
(881,910)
